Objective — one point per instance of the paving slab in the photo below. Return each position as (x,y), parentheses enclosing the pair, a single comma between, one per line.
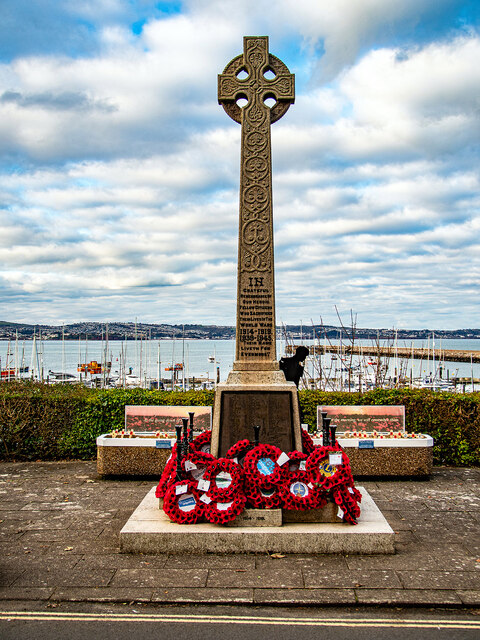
(418,597)
(304,596)
(148,577)
(424,579)
(471,598)
(99,594)
(259,578)
(208,595)
(329,578)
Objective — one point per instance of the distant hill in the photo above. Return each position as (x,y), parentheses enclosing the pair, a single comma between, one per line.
(130,330)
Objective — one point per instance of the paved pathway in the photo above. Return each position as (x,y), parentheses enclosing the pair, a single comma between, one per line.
(59,525)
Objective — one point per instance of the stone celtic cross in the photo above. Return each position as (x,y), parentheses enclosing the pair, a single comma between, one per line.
(256,76)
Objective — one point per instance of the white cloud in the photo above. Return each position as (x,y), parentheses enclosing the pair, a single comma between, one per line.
(124,189)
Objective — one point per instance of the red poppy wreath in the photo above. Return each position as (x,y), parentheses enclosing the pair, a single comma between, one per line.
(296,458)
(202,442)
(182,503)
(324,473)
(223,512)
(300,494)
(239,450)
(307,442)
(195,465)
(261,465)
(225,478)
(168,474)
(267,497)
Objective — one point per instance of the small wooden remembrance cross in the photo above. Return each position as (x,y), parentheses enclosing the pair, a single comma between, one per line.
(256,76)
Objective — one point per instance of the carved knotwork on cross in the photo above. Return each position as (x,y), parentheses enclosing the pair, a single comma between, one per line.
(256,76)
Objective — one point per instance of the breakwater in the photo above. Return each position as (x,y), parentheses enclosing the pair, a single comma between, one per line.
(416,353)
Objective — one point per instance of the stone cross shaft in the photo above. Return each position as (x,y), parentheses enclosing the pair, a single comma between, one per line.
(256,76)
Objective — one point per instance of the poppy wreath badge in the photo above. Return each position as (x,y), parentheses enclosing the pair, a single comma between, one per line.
(225,478)
(168,475)
(182,503)
(265,497)
(202,442)
(298,493)
(195,465)
(262,466)
(223,512)
(239,450)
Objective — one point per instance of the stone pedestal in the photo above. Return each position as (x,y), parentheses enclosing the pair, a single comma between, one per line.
(261,398)
(149,530)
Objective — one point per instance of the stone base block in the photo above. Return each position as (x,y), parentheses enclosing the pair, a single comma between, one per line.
(150,531)
(328,513)
(258,518)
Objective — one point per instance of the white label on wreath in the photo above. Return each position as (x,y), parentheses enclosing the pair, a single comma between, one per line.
(189,465)
(282,459)
(350,489)
(198,472)
(203,485)
(181,488)
(206,499)
(303,465)
(223,506)
(310,485)
(335,459)
(223,480)
(340,513)
(187,502)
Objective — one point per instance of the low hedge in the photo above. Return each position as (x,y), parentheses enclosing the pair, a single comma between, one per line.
(43,422)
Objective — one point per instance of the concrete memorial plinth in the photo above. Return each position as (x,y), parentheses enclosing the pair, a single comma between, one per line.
(256,391)
(150,531)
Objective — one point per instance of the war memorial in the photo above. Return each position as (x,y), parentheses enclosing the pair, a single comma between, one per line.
(257,482)
(244,491)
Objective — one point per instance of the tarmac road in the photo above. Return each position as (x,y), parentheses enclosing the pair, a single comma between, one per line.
(123,622)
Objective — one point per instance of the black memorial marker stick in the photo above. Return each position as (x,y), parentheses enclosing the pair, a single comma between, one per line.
(178,429)
(190,437)
(185,437)
(256,432)
(333,429)
(326,432)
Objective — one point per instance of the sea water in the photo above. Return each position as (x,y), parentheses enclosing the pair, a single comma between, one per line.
(200,358)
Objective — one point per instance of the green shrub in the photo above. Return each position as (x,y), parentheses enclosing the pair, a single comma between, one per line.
(53,422)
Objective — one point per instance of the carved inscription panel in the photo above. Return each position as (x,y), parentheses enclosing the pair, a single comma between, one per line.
(256,318)
(272,410)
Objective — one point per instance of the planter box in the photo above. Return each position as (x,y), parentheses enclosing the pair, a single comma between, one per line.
(137,456)
(388,456)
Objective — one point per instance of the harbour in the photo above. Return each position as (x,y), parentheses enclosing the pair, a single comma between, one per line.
(183,364)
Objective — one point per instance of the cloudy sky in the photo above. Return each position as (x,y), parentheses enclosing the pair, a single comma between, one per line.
(119,172)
